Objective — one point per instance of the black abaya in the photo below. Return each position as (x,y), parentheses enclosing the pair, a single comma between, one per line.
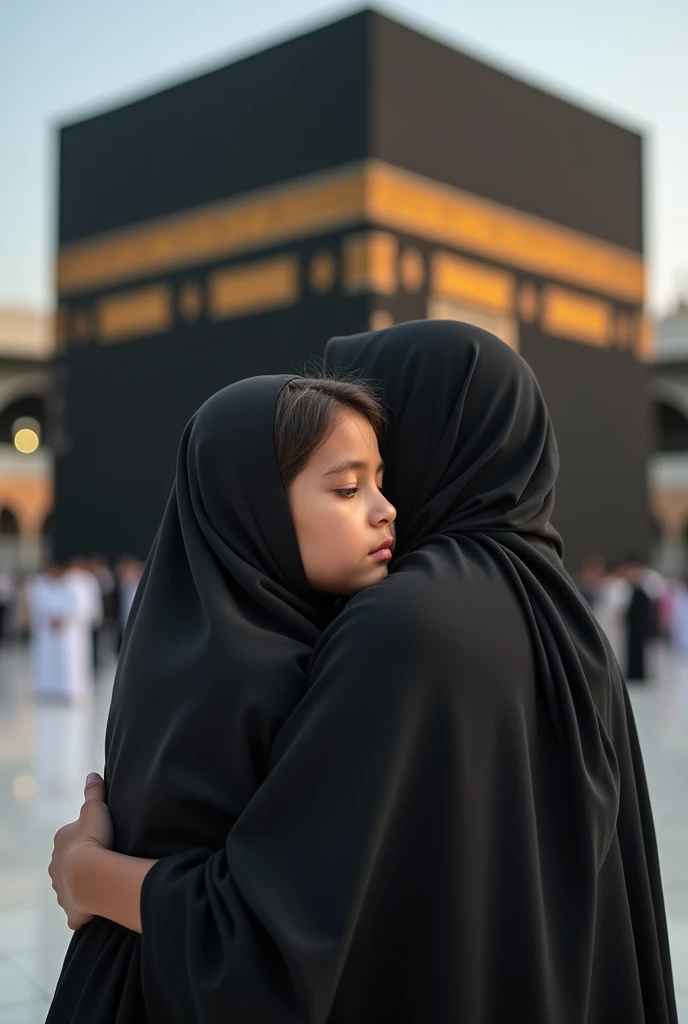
(638,633)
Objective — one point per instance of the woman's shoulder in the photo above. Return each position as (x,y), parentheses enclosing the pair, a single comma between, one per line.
(437,609)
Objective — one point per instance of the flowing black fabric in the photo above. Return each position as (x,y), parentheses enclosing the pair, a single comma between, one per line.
(213,663)
(454,824)
(574,882)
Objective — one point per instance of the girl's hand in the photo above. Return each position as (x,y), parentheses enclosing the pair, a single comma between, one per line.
(93,829)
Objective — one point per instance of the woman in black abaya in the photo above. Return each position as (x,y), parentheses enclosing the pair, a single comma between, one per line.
(454,825)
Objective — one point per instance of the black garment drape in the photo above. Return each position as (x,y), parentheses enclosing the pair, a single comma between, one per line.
(473,460)
(213,662)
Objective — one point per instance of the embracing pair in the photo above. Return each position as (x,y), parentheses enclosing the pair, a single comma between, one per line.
(369,758)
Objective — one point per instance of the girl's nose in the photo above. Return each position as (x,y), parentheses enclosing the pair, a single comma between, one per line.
(387,513)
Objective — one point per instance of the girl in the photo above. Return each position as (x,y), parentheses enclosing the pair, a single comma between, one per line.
(276,510)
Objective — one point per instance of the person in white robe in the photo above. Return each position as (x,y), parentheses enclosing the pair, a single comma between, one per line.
(610,607)
(62,662)
(89,604)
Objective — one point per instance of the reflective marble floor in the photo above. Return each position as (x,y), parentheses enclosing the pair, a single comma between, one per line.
(46,752)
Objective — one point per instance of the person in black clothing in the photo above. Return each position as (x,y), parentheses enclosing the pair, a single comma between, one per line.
(641,623)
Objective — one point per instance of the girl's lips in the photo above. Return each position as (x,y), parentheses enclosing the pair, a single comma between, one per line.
(382,554)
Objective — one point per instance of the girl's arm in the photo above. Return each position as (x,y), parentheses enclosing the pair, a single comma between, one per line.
(90,880)
(108,884)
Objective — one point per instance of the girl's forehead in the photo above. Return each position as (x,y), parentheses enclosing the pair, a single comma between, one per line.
(352,432)
(351,444)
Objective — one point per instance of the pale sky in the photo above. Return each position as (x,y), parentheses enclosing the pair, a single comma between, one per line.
(61,59)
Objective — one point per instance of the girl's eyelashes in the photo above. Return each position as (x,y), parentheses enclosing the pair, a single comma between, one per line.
(350,492)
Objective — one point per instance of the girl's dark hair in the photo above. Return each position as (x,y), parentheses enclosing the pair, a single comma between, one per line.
(305,412)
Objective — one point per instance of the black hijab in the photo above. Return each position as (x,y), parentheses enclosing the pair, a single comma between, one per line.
(454,822)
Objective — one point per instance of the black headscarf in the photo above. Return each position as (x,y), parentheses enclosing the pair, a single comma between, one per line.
(454,822)
(471,443)
(222,629)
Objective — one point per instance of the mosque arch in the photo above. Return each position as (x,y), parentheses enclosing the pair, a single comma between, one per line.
(9,523)
(34,383)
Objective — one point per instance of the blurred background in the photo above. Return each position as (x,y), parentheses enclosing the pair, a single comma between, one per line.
(194,194)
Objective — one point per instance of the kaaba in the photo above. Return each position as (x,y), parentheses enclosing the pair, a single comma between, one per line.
(358,176)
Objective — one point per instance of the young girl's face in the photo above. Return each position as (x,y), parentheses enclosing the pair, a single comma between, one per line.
(343,522)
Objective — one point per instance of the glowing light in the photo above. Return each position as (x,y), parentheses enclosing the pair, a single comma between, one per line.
(23,788)
(26,440)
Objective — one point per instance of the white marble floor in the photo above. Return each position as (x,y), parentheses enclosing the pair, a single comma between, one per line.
(46,752)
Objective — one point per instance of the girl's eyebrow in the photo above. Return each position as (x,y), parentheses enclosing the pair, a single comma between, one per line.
(346,464)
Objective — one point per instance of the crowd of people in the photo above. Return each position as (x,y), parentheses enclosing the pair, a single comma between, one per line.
(640,610)
(73,614)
